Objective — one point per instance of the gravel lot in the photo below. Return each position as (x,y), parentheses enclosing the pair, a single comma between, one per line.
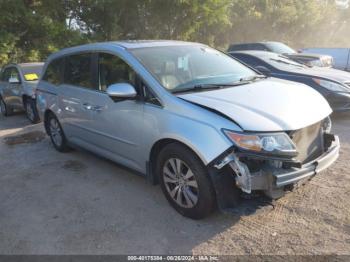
(77,203)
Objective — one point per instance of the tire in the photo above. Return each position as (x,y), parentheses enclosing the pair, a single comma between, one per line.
(31,111)
(187,186)
(56,134)
(4,111)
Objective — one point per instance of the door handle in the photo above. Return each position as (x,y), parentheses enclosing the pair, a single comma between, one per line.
(87,106)
(95,108)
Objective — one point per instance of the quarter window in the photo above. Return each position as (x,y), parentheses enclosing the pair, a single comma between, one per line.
(6,74)
(54,71)
(13,73)
(113,70)
(78,71)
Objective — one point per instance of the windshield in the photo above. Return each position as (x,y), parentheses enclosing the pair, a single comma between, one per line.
(280,48)
(32,72)
(179,68)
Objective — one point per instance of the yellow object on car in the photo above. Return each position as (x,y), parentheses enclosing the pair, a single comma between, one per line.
(31,77)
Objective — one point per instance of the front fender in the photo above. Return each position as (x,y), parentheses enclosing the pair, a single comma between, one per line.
(205,138)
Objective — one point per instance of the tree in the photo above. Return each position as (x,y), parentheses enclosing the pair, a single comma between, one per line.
(32,29)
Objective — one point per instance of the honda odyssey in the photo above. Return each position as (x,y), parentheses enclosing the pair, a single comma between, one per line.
(186,116)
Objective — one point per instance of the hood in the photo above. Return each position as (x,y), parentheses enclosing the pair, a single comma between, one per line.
(323,72)
(266,105)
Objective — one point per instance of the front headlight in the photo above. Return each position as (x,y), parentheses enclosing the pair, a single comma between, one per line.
(327,125)
(269,143)
(316,62)
(332,86)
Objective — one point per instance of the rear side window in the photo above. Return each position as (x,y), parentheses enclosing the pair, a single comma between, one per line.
(6,74)
(54,72)
(78,71)
(241,47)
(258,47)
(238,47)
(113,70)
(12,73)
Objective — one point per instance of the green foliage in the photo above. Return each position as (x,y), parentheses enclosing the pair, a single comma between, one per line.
(32,29)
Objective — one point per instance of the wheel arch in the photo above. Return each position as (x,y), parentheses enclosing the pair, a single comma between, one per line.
(155,150)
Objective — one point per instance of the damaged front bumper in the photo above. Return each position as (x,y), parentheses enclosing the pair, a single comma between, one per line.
(274,175)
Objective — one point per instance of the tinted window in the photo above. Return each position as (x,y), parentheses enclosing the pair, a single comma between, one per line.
(149,96)
(114,70)
(250,60)
(78,71)
(239,47)
(13,73)
(280,48)
(258,47)
(54,72)
(6,74)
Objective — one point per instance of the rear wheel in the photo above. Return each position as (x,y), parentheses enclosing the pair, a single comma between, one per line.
(3,108)
(185,181)
(56,134)
(31,111)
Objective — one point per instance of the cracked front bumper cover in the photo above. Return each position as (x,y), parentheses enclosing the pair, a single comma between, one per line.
(293,175)
(272,178)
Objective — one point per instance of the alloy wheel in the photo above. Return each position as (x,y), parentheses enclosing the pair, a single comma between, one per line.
(56,132)
(180,183)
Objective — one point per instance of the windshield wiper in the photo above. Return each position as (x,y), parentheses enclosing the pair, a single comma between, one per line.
(201,87)
(252,78)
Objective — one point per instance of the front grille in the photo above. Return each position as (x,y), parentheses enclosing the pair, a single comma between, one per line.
(348,84)
(309,142)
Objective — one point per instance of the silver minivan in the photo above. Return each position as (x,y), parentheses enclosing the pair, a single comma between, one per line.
(17,89)
(203,125)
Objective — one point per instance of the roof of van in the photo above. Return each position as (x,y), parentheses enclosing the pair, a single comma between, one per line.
(127,44)
(132,44)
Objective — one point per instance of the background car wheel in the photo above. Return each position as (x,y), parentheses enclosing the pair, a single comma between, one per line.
(3,108)
(56,134)
(185,181)
(31,111)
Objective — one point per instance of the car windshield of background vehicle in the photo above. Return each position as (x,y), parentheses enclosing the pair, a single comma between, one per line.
(32,73)
(180,68)
(280,48)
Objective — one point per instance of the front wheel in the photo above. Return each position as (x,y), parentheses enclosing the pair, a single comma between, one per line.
(185,181)
(31,111)
(56,134)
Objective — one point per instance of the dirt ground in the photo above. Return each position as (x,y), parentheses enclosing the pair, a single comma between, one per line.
(77,203)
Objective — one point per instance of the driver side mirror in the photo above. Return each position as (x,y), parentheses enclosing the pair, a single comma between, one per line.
(263,70)
(14,80)
(121,91)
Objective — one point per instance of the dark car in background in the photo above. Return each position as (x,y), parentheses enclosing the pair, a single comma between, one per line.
(333,84)
(280,48)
